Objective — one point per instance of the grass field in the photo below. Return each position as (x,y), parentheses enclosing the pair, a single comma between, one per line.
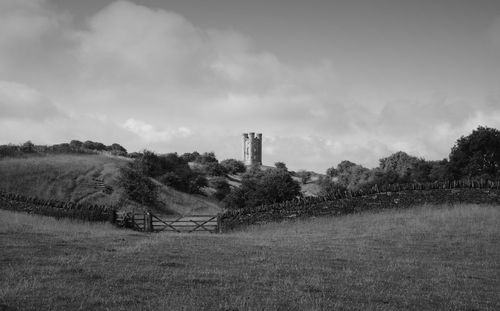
(427,258)
(65,177)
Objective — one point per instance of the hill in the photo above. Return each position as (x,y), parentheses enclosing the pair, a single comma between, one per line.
(87,178)
(424,258)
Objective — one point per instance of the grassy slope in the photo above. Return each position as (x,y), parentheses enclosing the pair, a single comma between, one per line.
(420,259)
(69,178)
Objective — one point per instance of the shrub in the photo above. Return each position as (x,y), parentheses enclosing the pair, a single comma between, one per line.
(221,186)
(233,166)
(215,169)
(138,187)
(190,157)
(207,157)
(264,187)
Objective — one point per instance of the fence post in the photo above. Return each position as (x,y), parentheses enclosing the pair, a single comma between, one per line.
(112,217)
(219,223)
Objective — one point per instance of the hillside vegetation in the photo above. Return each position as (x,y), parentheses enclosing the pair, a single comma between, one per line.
(426,258)
(76,177)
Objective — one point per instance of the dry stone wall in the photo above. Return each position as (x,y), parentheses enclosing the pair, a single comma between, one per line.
(400,196)
(58,209)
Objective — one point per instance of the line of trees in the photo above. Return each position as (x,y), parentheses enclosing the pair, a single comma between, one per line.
(474,156)
(74,146)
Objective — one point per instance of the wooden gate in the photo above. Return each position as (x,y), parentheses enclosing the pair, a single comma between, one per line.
(190,223)
(148,222)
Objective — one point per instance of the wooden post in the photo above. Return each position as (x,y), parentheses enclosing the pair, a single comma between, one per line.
(219,224)
(112,217)
(148,222)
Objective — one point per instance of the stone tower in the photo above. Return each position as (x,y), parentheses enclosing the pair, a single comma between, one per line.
(252,149)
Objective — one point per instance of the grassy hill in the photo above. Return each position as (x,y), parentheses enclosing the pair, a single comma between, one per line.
(426,258)
(79,178)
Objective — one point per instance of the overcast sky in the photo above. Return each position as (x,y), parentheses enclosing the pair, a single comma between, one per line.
(324,81)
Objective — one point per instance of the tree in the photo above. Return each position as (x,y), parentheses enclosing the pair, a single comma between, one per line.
(75,145)
(94,145)
(28,147)
(206,157)
(190,157)
(440,171)
(233,166)
(175,172)
(117,149)
(349,175)
(215,169)
(281,166)
(138,187)
(329,187)
(264,187)
(148,164)
(476,155)
(400,163)
(221,186)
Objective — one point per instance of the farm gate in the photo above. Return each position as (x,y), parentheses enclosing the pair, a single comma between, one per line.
(148,222)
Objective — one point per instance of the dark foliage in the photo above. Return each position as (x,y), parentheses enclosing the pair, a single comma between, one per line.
(190,157)
(138,187)
(221,186)
(215,169)
(260,187)
(329,187)
(171,170)
(206,157)
(74,146)
(281,166)
(233,166)
(476,155)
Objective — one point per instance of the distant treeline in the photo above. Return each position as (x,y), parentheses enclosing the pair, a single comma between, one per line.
(74,146)
(54,208)
(476,156)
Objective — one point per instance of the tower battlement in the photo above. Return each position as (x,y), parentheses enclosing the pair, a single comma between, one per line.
(252,148)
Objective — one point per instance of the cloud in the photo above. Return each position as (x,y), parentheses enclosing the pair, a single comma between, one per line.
(18,101)
(150,78)
(148,133)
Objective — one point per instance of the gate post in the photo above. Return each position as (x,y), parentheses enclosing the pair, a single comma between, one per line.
(219,223)
(112,217)
(148,222)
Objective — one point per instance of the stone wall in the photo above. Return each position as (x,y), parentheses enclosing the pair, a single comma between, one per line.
(358,202)
(58,209)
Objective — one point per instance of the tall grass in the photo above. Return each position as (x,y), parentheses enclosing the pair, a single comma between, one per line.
(21,223)
(65,177)
(426,258)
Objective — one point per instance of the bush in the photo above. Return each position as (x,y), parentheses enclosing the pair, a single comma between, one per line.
(207,157)
(190,157)
(117,149)
(233,166)
(476,155)
(138,187)
(329,187)
(221,186)
(215,169)
(263,187)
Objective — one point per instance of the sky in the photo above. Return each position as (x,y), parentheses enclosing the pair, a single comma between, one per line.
(323,81)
